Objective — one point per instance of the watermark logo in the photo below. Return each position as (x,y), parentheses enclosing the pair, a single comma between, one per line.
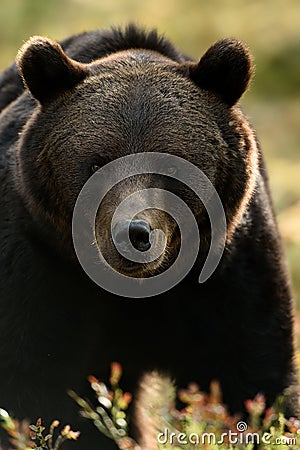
(241,426)
(232,438)
(101,183)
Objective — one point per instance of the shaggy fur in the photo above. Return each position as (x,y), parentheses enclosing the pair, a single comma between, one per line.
(99,96)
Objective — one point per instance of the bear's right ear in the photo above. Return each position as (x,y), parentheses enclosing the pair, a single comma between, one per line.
(46,70)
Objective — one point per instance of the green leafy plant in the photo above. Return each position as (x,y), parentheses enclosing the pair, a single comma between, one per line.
(204,418)
(109,417)
(24,436)
(202,424)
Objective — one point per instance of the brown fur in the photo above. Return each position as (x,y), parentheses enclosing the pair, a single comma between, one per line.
(97,97)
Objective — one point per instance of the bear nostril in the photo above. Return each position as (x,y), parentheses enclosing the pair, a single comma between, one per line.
(139,234)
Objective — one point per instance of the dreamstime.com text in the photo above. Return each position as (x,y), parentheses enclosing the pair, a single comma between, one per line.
(241,436)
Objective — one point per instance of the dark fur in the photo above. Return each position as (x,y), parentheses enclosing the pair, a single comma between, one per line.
(86,47)
(56,325)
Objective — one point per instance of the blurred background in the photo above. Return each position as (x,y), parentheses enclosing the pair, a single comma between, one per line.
(271,28)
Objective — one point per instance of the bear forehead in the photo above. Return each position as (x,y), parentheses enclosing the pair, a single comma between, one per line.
(139,80)
(131,56)
(136,96)
(146,66)
(146,93)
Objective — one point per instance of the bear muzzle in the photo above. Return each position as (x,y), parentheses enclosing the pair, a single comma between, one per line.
(139,234)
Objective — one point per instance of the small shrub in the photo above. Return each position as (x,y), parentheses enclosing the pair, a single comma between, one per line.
(202,424)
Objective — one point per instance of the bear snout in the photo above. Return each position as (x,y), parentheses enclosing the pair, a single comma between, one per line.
(139,234)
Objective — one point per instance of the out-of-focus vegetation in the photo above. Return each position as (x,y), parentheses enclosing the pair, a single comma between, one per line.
(23,436)
(202,424)
(270,27)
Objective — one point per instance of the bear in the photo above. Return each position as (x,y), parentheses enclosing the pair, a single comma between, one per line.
(68,111)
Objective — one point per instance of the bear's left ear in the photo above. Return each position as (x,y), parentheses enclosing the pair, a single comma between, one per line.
(46,70)
(225,69)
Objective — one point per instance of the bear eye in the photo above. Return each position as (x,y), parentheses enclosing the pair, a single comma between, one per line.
(96,163)
(95,167)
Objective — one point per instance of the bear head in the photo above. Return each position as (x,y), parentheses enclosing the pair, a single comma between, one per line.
(130,102)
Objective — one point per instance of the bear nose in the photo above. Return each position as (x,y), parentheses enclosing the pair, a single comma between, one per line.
(139,233)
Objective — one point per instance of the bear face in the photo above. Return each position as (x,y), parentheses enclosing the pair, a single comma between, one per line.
(130,102)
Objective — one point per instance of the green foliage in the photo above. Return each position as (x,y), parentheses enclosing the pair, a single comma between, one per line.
(109,417)
(193,24)
(27,437)
(278,72)
(203,424)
